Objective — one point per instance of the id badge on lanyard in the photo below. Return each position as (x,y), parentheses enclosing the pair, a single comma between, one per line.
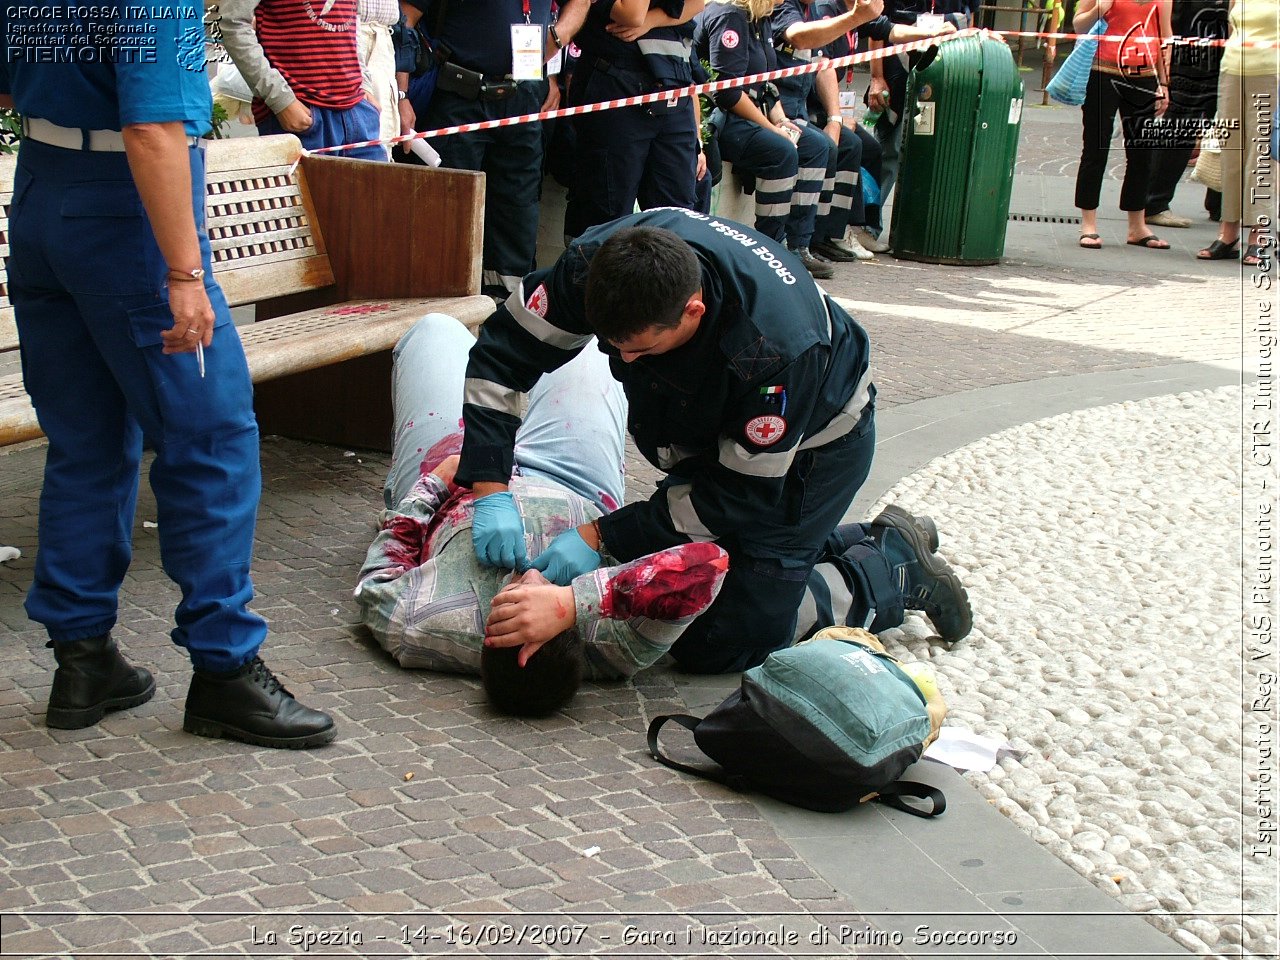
(931,22)
(528,47)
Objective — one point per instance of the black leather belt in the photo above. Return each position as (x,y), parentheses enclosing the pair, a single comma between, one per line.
(473,85)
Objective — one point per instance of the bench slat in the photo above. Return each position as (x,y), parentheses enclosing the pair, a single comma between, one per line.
(252,153)
(263,238)
(243,281)
(353,331)
(257,195)
(246,173)
(283,215)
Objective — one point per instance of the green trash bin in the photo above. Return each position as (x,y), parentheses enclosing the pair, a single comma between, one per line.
(963,114)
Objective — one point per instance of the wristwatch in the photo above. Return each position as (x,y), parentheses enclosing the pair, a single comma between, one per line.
(191,275)
(402,95)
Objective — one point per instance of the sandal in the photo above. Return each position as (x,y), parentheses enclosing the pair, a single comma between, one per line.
(1220,251)
(1150,241)
(1252,255)
(1090,246)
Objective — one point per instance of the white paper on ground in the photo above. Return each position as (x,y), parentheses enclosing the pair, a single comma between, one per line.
(966,750)
(9,553)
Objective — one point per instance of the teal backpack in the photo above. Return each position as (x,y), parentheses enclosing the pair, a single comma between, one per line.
(826,724)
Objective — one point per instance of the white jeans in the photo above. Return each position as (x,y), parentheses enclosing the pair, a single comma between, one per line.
(573,429)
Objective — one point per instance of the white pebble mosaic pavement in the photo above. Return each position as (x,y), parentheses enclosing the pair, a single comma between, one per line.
(1102,552)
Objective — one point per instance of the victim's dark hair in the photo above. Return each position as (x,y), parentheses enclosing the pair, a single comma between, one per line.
(640,277)
(541,687)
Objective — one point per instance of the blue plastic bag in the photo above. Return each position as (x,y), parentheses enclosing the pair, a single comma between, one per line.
(870,189)
(1071,81)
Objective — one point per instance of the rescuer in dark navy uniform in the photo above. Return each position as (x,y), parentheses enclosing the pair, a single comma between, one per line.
(477,81)
(863,217)
(799,34)
(125,334)
(747,386)
(788,162)
(646,152)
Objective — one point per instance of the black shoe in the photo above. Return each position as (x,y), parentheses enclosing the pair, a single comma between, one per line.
(926,580)
(818,269)
(92,678)
(829,251)
(250,704)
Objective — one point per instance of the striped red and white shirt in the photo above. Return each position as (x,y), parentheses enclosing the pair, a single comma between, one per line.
(313,45)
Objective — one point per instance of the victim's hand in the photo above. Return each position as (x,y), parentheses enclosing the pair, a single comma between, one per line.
(527,613)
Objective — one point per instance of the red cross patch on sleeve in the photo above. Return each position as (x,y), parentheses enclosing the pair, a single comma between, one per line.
(765,431)
(538,301)
(729,39)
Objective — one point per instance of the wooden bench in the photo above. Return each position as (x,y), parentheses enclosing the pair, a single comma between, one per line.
(340,257)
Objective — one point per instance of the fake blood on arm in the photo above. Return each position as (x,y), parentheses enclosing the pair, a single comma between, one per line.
(671,585)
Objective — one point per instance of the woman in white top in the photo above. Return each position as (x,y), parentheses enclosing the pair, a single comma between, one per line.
(1247,93)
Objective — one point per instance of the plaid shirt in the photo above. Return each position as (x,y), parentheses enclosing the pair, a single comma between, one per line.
(386,12)
(426,597)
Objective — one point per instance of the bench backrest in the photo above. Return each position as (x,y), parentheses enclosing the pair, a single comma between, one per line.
(261,226)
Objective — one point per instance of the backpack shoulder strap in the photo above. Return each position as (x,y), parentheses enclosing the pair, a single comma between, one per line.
(689,723)
(894,796)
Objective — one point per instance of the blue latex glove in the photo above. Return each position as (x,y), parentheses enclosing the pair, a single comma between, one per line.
(497,533)
(566,557)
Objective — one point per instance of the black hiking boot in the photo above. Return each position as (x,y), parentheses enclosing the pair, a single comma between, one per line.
(251,705)
(928,583)
(93,678)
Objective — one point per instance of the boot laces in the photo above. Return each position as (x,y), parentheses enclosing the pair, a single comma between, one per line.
(262,675)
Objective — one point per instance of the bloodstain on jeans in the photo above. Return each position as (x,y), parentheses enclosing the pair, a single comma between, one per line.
(439,452)
(671,585)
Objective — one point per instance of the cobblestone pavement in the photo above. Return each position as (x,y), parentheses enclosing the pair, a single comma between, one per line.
(134,815)
(166,844)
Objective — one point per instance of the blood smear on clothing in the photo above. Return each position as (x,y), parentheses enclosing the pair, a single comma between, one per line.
(440,451)
(671,585)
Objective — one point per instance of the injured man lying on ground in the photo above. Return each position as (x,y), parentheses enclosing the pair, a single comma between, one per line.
(431,604)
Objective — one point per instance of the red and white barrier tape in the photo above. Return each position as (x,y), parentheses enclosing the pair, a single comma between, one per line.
(679,93)
(668,95)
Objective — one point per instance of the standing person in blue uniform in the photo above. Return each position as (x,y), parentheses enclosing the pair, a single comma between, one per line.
(647,152)
(787,161)
(492,60)
(124,334)
(799,30)
(747,385)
